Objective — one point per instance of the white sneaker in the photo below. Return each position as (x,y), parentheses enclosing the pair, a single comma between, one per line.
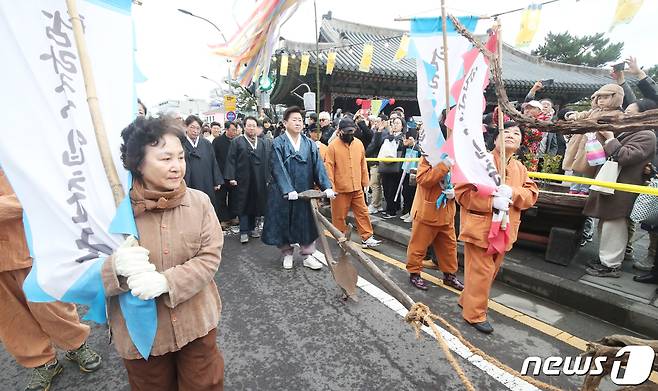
(287,261)
(319,256)
(408,219)
(372,210)
(370,242)
(404,216)
(312,263)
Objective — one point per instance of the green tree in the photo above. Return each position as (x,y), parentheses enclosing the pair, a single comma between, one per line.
(590,50)
(246,101)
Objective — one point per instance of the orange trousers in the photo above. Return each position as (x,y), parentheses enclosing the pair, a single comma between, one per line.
(357,202)
(29,330)
(480,270)
(442,238)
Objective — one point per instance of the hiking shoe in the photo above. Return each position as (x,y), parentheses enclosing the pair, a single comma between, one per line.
(312,263)
(372,210)
(645,265)
(88,360)
(417,281)
(370,242)
(244,238)
(595,264)
(42,377)
(604,271)
(254,234)
(287,261)
(451,279)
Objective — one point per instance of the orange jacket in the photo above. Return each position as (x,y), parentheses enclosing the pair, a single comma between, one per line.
(476,210)
(346,166)
(13,244)
(428,190)
(323,150)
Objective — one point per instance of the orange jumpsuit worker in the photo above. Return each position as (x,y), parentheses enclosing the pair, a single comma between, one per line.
(347,170)
(315,133)
(518,193)
(29,330)
(433,225)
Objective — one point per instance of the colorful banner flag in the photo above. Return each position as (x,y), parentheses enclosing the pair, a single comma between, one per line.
(473,164)
(283,68)
(254,42)
(331,62)
(626,10)
(366,57)
(303,67)
(529,25)
(402,49)
(65,194)
(427,47)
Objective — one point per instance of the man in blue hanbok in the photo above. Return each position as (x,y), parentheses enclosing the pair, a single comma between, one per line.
(296,167)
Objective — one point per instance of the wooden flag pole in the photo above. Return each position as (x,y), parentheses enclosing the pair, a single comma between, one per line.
(446,76)
(501,122)
(92,102)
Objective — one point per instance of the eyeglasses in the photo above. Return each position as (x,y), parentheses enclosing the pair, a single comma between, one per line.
(195,127)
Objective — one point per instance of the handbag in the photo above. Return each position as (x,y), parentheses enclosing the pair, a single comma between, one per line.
(609,172)
(389,149)
(645,208)
(594,151)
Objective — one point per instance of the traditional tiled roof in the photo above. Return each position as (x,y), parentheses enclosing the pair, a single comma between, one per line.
(520,70)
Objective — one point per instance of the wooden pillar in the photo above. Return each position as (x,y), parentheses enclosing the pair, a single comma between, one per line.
(328,102)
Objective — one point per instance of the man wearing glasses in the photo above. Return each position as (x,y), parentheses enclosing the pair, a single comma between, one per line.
(325,127)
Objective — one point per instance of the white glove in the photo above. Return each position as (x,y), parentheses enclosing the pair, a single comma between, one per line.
(293,196)
(148,285)
(504,191)
(501,203)
(330,193)
(450,193)
(131,259)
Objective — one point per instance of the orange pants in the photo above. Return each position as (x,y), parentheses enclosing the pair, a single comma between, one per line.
(480,270)
(356,201)
(29,330)
(442,238)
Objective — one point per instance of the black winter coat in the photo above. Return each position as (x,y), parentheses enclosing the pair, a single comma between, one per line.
(251,169)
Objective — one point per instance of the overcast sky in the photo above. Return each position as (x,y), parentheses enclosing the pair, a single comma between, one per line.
(172,47)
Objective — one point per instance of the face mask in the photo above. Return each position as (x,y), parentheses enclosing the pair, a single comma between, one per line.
(347,138)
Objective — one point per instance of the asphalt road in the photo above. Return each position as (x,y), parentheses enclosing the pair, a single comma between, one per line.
(290,330)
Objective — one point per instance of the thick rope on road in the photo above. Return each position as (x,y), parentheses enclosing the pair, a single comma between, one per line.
(420,313)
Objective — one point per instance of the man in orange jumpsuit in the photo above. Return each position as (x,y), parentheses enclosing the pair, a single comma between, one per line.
(315,134)
(518,193)
(29,330)
(347,170)
(433,224)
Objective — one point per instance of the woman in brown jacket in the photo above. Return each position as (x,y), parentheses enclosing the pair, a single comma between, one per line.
(175,263)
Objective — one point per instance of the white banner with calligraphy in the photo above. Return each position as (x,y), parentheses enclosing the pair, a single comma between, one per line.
(427,47)
(48,147)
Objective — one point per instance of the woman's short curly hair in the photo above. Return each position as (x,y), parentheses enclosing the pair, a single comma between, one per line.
(142,132)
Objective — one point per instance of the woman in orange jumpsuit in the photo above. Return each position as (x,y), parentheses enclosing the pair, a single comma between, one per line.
(480,267)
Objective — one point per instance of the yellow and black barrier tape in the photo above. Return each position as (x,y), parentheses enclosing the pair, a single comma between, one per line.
(554,177)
